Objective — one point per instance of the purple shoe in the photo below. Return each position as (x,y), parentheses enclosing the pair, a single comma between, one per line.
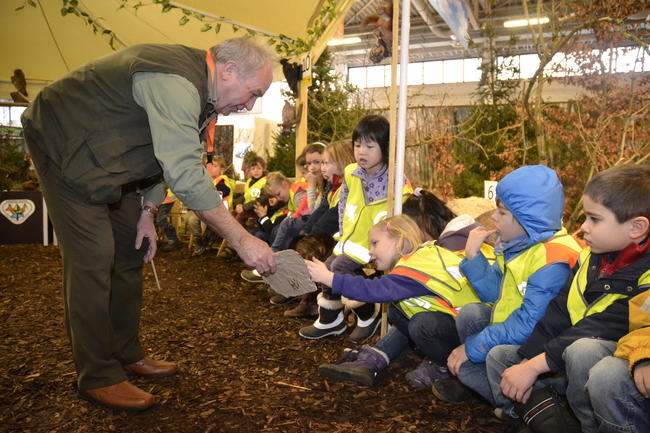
(362,366)
(426,374)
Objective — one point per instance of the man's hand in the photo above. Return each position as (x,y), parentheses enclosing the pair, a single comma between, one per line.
(456,358)
(257,254)
(475,240)
(146,229)
(253,251)
(319,272)
(642,378)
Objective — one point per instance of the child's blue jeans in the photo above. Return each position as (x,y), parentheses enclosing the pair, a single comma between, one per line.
(472,319)
(617,403)
(501,357)
(579,358)
(288,229)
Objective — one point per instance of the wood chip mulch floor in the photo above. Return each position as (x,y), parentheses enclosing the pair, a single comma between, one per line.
(243,366)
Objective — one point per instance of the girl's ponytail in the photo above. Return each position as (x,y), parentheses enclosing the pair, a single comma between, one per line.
(404,230)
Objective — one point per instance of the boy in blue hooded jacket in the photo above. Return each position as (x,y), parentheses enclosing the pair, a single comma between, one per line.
(534,259)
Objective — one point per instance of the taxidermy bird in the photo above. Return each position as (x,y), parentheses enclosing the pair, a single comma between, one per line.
(289,117)
(381,23)
(293,74)
(20,83)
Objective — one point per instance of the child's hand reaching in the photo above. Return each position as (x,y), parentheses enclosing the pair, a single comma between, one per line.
(260,210)
(475,240)
(319,272)
(642,378)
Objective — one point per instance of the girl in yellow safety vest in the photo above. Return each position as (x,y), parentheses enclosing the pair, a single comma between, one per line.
(324,220)
(300,208)
(362,203)
(256,181)
(425,286)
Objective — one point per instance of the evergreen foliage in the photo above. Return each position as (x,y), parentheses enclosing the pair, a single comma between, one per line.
(335,107)
(14,169)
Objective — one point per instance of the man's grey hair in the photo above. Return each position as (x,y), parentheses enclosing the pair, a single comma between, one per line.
(249,54)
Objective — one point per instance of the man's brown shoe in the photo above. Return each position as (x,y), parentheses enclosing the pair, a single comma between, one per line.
(123,395)
(151,368)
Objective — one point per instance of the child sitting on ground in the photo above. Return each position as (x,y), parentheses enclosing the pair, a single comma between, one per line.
(619,386)
(278,187)
(255,170)
(325,218)
(291,227)
(584,321)
(362,203)
(225,186)
(270,213)
(534,258)
(429,290)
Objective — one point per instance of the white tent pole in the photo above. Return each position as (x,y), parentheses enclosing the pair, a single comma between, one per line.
(402,105)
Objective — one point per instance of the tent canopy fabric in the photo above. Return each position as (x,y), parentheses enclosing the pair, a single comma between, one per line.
(46,45)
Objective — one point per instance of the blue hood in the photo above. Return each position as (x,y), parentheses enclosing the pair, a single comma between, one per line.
(535,197)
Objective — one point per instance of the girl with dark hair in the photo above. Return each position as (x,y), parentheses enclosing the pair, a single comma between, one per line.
(362,203)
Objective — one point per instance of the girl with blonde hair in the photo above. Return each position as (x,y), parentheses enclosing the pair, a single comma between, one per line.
(423,285)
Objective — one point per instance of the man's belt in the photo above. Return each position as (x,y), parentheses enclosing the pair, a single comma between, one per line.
(141,184)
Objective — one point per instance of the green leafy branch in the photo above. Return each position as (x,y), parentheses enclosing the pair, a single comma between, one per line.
(73,7)
(283,45)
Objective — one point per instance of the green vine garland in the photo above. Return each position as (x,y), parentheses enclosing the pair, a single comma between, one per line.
(282,44)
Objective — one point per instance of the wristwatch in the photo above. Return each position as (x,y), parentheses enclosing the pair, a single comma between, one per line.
(151,210)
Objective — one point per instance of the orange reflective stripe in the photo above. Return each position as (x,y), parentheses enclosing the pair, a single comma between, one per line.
(212,125)
(423,279)
(560,253)
(210,135)
(447,306)
(412,274)
(297,186)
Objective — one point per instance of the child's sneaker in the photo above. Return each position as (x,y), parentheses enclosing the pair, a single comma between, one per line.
(252,276)
(451,390)
(364,369)
(426,374)
(198,251)
(171,246)
(278,299)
